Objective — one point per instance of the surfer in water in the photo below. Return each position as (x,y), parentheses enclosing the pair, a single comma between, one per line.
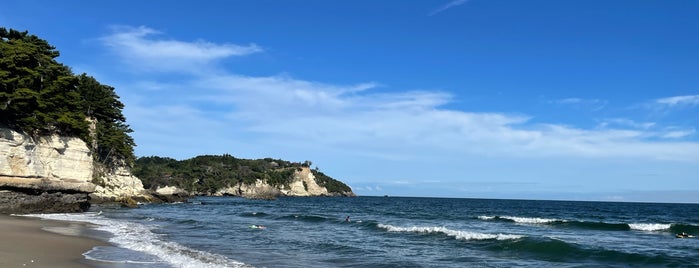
(683,235)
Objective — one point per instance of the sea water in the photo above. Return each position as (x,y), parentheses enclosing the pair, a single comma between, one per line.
(394,232)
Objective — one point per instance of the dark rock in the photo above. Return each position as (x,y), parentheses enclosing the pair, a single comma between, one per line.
(35,201)
(170,198)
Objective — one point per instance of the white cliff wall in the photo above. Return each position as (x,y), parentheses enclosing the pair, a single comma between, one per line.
(302,184)
(58,163)
(51,162)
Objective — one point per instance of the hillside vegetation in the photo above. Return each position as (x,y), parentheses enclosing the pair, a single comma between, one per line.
(209,173)
(40,96)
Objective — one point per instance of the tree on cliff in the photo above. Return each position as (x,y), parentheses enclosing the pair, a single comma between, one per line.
(100,102)
(41,96)
(38,94)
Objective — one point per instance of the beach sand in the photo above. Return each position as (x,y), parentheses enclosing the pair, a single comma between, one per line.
(24,242)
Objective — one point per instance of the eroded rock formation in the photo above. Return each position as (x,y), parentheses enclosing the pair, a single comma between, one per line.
(54,174)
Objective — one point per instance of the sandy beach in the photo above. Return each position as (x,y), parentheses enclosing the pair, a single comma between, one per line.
(24,242)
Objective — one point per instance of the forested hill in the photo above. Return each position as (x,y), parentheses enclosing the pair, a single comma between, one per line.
(209,173)
(40,96)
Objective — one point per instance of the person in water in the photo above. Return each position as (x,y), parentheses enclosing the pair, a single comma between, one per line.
(347,219)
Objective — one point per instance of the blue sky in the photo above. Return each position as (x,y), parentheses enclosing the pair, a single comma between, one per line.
(574,100)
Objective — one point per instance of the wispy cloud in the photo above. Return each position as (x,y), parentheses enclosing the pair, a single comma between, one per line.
(624,122)
(677,134)
(648,129)
(687,100)
(591,104)
(453,3)
(264,112)
(139,47)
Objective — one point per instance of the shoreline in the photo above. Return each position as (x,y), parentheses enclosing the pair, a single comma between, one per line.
(35,242)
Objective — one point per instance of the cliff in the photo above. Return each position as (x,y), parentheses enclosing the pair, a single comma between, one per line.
(58,174)
(303,183)
(54,174)
(218,175)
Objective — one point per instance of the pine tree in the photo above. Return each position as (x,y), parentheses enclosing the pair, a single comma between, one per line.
(40,96)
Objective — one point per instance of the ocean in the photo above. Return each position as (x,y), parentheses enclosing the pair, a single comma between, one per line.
(393,232)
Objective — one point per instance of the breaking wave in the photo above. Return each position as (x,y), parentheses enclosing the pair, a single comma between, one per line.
(141,238)
(460,235)
(590,225)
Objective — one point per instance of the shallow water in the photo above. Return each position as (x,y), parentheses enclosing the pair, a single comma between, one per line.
(395,232)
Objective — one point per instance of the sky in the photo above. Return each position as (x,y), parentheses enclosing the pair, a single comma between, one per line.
(537,99)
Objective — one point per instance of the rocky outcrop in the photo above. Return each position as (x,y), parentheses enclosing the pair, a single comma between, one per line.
(54,174)
(303,183)
(119,185)
(170,194)
(46,174)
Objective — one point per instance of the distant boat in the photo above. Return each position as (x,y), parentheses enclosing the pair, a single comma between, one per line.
(385,196)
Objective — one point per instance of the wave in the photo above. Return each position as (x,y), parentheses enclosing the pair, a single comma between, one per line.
(556,250)
(602,226)
(525,220)
(460,235)
(141,238)
(650,227)
(689,228)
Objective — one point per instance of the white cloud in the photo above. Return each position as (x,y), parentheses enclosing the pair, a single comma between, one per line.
(453,3)
(677,134)
(689,100)
(591,104)
(569,101)
(139,47)
(259,113)
(624,122)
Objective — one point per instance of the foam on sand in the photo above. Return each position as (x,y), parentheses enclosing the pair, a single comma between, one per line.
(141,238)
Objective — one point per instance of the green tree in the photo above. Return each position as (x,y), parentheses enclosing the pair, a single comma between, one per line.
(102,104)
(38,93)
(41,96)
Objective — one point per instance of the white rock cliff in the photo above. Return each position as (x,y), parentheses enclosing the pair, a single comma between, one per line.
(51,163)
(59,164)
(302,184)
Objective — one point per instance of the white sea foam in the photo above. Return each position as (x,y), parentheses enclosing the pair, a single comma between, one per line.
(531,220)
(650,227)
(139,237)
(461,235)
(524,220)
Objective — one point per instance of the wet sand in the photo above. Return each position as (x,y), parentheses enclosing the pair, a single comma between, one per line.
(24,242)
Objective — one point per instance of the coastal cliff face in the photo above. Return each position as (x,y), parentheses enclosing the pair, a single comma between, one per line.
(303,184)
(53,174)
(119,185)
(48,174)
